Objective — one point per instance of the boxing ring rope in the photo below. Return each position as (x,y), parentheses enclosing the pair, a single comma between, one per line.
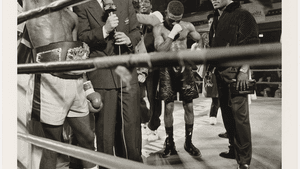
(98,158)
(52,7)
(265,70)
(259,55)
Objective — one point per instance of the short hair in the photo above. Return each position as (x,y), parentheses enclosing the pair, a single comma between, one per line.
(136,4)
(176,8)
(210,16)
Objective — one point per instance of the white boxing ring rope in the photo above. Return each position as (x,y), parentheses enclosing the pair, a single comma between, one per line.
(98,158)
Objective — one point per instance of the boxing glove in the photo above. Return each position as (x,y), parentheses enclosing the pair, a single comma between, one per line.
(94,98)
(195,46)
(175,30)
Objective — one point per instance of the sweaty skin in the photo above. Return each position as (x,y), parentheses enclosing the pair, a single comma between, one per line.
(53,27)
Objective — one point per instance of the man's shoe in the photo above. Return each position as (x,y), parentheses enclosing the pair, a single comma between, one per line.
(192,150)
(223,135)
(243,166)
(170,148)
(228,154)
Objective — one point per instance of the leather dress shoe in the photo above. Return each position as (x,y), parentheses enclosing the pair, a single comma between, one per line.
(229,154)
(223,135)
(243,166)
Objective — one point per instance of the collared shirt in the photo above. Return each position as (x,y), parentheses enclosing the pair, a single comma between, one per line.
(105,34)
(101,3)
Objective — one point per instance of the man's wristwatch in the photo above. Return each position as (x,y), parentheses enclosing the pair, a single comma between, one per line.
(243,70)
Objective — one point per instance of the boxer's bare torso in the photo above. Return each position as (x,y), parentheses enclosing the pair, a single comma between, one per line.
(181,42)
(52,27)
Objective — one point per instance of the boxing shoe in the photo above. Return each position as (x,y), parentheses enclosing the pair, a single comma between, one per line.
(191,149)
(243,166)
(170,148)
(228,154)
(223,135)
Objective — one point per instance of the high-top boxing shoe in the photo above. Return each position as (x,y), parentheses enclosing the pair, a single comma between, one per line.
(170,148)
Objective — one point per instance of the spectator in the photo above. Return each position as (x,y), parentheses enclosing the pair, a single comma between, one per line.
(215,104)
(148,20)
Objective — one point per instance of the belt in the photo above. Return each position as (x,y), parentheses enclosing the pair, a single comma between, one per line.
(61,51)
(54,51)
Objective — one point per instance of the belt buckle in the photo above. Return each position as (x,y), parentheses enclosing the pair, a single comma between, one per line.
(49,56)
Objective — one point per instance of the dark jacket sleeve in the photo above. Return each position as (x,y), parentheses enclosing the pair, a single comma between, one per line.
(134,32)
(248,30)
(93,37)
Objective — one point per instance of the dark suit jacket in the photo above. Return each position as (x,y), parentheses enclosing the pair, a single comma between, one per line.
(91,20)
(235,27)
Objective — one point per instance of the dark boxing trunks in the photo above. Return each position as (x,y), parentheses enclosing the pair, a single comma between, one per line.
(172,82)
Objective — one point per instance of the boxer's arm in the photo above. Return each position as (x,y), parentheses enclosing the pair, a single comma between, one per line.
(152,19)
(74,31)
(93,37)
(160,44)
(195,36)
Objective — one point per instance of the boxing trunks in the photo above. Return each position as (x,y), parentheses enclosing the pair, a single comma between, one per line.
(173,80)
(59,95)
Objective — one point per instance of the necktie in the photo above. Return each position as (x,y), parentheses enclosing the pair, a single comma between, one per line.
(100,3)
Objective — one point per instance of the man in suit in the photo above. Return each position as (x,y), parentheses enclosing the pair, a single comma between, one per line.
(234,26)
(117,125)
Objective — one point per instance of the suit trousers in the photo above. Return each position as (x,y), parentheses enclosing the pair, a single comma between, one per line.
(235,114)
(121,131)
(145,112)
(215,104)
(155,102)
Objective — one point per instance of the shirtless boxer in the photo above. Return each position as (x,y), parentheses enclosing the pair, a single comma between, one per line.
(59,95)
(172,36)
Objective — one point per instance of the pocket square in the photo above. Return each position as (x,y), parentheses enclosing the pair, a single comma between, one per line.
(126,21)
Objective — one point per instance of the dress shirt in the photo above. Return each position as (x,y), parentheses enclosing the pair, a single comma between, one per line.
(105,34)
